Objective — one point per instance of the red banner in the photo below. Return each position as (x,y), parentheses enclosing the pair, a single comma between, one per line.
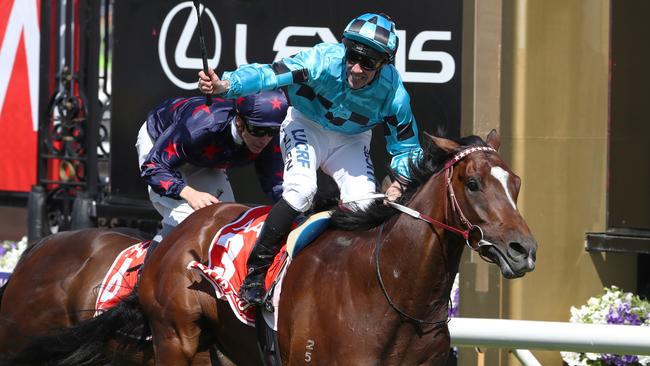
(19,79)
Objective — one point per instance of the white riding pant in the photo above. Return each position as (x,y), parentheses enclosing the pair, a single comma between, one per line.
(174,211)
(307,146)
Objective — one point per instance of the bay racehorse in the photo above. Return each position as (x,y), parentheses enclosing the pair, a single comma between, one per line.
(372,289)
(55,285)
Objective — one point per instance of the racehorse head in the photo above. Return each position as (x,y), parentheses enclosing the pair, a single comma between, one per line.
(482,197)
(403,256)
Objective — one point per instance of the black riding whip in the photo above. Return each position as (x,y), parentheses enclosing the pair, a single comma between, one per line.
(204,52)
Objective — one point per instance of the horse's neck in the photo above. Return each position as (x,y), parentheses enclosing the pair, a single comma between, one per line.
(422,259)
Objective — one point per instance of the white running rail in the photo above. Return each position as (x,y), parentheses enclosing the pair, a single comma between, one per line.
(522,335)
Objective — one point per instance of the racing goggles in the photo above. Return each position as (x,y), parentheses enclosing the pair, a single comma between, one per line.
(366,62)
(257,131)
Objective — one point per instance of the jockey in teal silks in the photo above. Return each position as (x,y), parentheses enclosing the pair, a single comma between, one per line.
(338,92)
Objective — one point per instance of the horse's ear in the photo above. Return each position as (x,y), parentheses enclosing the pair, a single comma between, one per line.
(442,143)
(494,140)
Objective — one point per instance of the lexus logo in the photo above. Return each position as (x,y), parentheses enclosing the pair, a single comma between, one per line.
(415,50)
(181,59)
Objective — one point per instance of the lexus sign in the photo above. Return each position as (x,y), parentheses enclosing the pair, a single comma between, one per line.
(157,55)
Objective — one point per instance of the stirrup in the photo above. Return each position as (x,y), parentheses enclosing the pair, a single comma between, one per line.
(250,285)
(253,294)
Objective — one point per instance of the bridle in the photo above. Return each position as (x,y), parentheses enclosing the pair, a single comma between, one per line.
(448,170)
(467,233)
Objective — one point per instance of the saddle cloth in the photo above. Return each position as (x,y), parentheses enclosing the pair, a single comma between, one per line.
(227,258)
(121,277)
(230,249)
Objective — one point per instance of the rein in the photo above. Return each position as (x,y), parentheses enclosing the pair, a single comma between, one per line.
(466,234)
(403,315)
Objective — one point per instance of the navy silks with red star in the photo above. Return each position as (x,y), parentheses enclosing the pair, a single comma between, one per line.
(186,131)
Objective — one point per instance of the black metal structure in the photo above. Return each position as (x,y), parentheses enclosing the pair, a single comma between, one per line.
(73,131)
(62,156)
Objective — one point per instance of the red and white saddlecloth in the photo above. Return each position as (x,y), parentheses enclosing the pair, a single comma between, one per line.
(228,254)
(119,281)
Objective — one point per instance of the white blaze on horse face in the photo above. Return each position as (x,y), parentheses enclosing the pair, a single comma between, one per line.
(502,176)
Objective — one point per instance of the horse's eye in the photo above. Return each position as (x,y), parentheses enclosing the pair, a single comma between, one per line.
(472,185)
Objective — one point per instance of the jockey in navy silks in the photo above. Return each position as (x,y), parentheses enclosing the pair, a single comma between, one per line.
(184,148)
(338,92)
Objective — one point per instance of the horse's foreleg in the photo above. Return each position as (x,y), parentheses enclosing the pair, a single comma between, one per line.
(172,347)
(212,357)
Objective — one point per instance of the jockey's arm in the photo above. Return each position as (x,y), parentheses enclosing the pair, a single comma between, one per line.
(252,78)
(160,171)
(402,143)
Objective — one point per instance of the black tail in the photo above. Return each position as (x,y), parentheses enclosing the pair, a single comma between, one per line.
(85,344)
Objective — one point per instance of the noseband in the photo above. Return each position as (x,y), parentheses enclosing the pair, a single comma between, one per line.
(470,231)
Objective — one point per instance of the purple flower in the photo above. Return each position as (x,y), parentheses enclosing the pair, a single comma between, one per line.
(633,319)
(613,317)
(617,360)
(620,308)
(3,250)
(623,315)
(453,310)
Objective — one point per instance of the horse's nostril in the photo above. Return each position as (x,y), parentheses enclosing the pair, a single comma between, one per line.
(516,250)
(533,254)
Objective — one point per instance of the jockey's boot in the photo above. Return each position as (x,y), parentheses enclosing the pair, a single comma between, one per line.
(277,226)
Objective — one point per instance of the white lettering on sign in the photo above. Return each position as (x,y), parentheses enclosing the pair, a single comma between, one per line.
(181,59)
(414,51)
(281,41)
(417,54)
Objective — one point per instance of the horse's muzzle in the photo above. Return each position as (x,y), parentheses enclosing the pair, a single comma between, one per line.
(515,259)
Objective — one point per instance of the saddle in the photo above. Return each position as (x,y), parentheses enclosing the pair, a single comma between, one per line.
(300,237)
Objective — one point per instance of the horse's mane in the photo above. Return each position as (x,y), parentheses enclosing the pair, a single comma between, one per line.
(420,170)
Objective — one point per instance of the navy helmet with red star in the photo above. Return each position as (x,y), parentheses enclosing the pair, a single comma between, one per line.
(264,109)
